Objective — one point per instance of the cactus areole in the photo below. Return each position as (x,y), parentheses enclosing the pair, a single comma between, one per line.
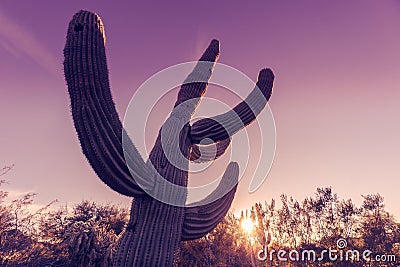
(155,228)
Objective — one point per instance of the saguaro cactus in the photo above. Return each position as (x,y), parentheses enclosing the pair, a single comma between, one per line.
(155,228)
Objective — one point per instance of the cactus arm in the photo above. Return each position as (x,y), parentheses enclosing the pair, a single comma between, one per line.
(95,117)
(190,93)
(155,228)
(200,218)
(195,85)
(204,153)
(257,99)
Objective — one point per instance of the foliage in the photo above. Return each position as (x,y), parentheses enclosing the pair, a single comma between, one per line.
(226,245)
(87,234)
(315,223)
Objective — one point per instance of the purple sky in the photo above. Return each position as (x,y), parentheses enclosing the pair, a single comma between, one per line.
(335,100)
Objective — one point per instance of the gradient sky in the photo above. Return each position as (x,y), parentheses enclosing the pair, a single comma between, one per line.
(335,99)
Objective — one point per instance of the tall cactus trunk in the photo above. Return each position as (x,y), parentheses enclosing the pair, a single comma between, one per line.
(152,236)
(155,228)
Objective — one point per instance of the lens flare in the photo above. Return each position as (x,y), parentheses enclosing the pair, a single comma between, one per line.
(248,225)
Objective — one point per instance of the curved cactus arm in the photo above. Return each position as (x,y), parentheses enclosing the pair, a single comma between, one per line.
(95,117)
(204,153)
(195,85)
(257,99)
(200,218)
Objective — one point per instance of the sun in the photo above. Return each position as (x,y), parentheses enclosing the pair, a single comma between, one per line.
(247,225)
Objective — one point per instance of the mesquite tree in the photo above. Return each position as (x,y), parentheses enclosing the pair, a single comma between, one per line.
(155,228)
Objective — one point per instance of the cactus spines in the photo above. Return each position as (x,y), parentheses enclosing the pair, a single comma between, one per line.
(155,228)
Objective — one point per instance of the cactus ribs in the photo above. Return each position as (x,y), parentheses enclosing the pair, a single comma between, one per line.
(155,228)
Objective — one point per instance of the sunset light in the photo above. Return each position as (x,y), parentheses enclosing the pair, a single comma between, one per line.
(202,133)
(248,225)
